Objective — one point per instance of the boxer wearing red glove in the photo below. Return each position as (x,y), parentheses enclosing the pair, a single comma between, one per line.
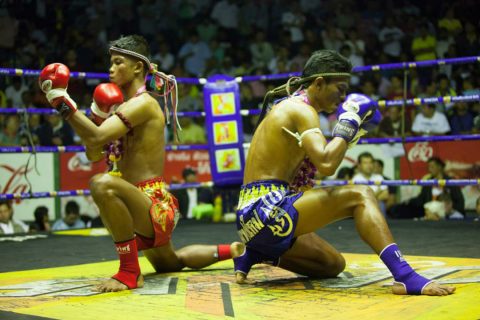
(138,211)
(106,97)
(53,81)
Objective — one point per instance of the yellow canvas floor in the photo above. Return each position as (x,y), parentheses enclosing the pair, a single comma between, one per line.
(362,292)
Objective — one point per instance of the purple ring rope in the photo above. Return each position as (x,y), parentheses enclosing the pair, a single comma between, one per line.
(386,66)
(64,149)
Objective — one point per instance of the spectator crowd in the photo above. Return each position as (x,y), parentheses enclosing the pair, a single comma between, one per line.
(192,38)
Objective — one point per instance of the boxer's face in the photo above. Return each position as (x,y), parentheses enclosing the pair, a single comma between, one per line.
(332,93)
(122,69)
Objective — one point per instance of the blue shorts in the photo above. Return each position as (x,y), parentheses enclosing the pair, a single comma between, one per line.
(266,217)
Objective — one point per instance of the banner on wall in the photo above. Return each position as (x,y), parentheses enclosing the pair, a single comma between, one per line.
(176,161)
(76,170)
(13,168)
(462,161)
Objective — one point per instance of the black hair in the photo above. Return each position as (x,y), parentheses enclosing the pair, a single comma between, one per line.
(379,161)
(364,155)
(72,207)
(438,161)
(344,173)
(321,61)
(39,214)
(134,43)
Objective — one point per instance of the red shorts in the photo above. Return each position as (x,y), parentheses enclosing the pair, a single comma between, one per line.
(163,212)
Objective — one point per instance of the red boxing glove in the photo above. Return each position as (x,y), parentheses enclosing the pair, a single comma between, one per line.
(53,81)
(106,97)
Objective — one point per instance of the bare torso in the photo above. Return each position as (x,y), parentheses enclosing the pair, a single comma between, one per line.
(273,153)
(144,145)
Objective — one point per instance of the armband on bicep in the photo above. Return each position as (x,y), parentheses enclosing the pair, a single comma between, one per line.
(124,120)
(299,137)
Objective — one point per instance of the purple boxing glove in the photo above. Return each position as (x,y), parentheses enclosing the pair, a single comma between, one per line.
(356,115)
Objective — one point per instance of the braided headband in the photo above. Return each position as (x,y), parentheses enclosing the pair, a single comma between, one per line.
(296,81)
(159,79)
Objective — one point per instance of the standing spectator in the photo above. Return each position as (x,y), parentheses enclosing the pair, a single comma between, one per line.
(450,22)
(365,173)
(424,48)
(14,92)
(41,222)
(8,224)
(477,210)
(55,132)
(390,36)
(72,218)
(443,42)
(430,122)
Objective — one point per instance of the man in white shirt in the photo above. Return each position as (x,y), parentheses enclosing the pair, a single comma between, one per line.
(365,166)
(430,122)
(8,224)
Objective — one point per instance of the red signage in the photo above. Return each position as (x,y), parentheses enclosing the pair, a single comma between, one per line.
(76,171)
(461,159)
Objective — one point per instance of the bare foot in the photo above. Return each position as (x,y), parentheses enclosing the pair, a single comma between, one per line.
(112,285)
(432,289)
(237,249)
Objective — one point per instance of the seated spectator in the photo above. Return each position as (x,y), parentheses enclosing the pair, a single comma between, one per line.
(461,120)
(391,123)
(430,122)
(10,136)
(8,224)
(441,209)
(55,132)
(414,208)
(191,132)
(72,218)
(345,173)
(365,173)
(194,202)
(41,222)
(14,93)
(444,88)
(378,167)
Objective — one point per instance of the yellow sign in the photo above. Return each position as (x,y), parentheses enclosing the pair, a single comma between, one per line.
(228,160)
(223,104)
(363,291)
(225,132)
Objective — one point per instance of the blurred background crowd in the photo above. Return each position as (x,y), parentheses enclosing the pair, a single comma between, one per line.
(198,38)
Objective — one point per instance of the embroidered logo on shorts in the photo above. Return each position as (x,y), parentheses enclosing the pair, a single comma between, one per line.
(160,214)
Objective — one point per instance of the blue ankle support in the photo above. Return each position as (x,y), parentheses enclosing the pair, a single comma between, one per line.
(402,272)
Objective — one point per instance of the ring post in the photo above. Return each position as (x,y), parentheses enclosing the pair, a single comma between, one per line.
(223,123)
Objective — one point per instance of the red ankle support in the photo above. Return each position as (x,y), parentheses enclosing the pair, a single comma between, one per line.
(129,268)
(224,252)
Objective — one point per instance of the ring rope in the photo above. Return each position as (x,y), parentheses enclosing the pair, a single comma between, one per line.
(373,68)
(183,147)
(247,112)
(324,183)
